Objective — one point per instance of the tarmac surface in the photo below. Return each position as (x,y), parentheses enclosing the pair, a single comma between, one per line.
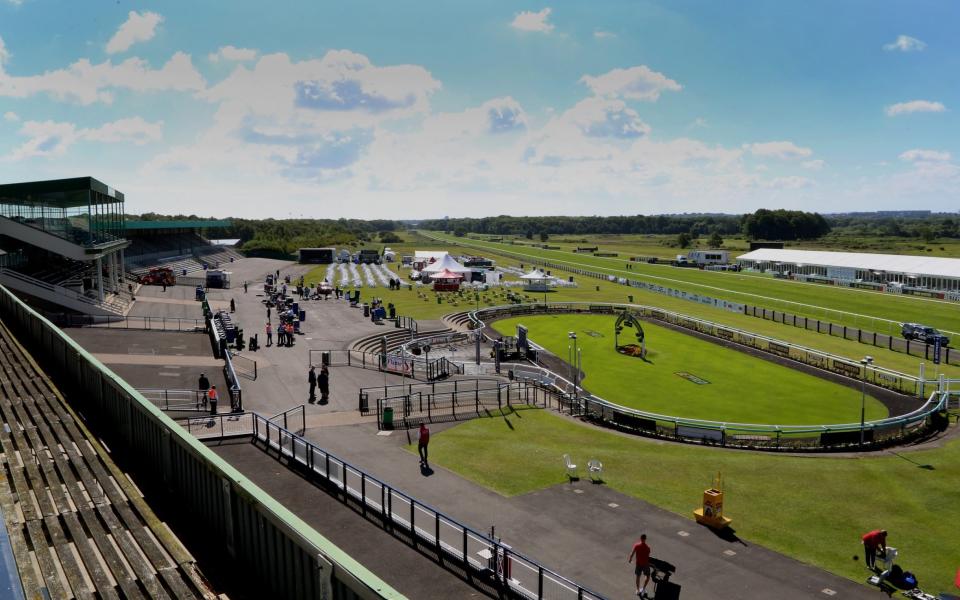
(580,530)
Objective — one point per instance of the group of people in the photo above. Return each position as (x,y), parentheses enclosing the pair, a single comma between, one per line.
(285,333)
(322,380)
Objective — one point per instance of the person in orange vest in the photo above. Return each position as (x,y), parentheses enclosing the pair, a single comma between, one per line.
(212,397)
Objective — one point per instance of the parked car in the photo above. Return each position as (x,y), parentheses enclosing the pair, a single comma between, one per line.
(916,331)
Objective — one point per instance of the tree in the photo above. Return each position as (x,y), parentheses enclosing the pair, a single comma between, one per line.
(529,235)
(684,239)
(460,231)
(543,236)
(389,237)
(716,240)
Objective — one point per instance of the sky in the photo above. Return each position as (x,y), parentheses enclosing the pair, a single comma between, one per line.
(411,110)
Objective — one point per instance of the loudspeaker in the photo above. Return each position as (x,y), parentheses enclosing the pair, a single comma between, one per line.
(667,590)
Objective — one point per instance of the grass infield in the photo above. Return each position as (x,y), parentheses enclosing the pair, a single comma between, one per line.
(811,508)
(740,388)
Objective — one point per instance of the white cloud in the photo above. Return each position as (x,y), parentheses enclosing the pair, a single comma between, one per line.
(784,150)
(50,138)
(813,165)
(791,182)
(87,83)
(533,21)
(232,53)
(11,116)
(139,27)
(918,155)
(914,106)
(604,35)
(905,43)
(635,83)
(499,115)
(698,122)
(4,53)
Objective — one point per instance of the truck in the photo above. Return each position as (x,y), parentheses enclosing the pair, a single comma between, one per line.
(708,257)
(923,333)
(317,256)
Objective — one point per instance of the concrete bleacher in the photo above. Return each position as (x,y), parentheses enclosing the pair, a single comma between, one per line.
(78,528)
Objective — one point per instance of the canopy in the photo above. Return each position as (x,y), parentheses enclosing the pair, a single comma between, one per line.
(536,275)
(445,263)
(446,274)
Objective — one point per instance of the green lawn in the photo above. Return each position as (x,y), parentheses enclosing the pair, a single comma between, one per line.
(813,508)
(763,291)
(742,389)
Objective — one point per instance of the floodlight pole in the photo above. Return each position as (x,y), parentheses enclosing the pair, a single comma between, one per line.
(866,362)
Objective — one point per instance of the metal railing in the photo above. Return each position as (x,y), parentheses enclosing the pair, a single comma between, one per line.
(176,400)
(233,384)
(842,436)
(290,418)
(244,365)
(145,323)
(479,555)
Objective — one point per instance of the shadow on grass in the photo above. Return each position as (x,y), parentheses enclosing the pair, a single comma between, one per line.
(927,467)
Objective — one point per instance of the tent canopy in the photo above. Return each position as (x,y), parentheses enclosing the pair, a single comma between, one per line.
(446,274)
(536,275)
(446,263)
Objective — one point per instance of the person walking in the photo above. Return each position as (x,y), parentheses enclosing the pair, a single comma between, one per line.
(269,330)
(871,542)
(244,287)
(312,380)
(233,306)
(268,313)
(212,397)
(324,381)
(642,565)
(203,384)
(422,443)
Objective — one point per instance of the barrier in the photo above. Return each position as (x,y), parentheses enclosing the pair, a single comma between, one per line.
(280,555)
(878,433)
(176,400)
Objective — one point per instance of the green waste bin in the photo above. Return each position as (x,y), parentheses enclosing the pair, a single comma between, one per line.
(388,417)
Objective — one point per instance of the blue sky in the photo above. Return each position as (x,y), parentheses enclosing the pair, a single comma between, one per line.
(409,110)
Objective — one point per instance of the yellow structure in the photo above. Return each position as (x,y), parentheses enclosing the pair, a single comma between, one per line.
(711,514)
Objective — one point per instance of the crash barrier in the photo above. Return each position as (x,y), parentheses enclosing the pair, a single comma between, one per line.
(176,400)
(483,558)
(146,323)
(280,555)
(244,365)
(925,419)
(293,419)
(879,376)
(881,340)
(233,383)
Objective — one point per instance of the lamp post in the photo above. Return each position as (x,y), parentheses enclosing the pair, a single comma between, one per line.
(573,361)
(866,362)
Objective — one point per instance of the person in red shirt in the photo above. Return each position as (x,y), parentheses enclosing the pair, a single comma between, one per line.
(871,541)
(642,566)
(423,442)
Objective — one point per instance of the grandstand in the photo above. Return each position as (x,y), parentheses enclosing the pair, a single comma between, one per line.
(64,245)
(181,245)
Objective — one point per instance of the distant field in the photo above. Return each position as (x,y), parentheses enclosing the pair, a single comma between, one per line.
(810,299)
(741,388)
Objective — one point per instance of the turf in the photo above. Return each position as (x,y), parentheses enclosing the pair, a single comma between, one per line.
(741,388)
(814,299)
(813,508)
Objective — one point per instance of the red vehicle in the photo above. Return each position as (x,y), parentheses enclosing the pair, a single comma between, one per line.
(159,276)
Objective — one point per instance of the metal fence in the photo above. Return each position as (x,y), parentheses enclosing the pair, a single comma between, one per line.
(924,420)
(244,365)
(293,419)
(481,557)
(176,400)
(146,323)
(276,552)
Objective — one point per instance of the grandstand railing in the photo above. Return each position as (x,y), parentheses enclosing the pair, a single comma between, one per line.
(482,557)
(293,419)
(129,322)
(843,436)
(217,500)
(176,400)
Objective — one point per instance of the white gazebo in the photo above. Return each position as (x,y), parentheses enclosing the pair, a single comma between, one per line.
(536,281)
(447,263)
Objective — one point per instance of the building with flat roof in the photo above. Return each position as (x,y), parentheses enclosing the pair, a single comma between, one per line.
(920,272)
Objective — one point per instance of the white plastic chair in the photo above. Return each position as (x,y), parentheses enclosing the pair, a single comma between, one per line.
(571,468)
(595,468)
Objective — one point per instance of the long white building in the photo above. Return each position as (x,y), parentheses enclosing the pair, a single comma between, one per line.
(929,272)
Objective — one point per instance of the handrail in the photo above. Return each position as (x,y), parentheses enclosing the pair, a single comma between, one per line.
(60,290)
(376,495)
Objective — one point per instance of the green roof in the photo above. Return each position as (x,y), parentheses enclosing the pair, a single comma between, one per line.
(64,193)
(185,224)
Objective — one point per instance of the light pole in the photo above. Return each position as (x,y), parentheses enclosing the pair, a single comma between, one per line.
(866,362)
(573,361)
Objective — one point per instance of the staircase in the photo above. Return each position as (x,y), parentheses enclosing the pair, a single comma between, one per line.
(395,338)
(459,321)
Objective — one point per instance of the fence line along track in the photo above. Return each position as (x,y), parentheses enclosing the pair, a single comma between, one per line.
(925,420)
